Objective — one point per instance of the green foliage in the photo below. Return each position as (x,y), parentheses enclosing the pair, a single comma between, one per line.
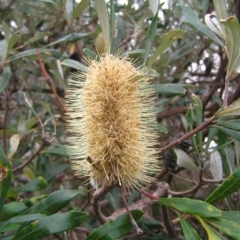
(193,67)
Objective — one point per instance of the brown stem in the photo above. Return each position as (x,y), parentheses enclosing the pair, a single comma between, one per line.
(139,231)
(187,135)
(98,194)
(50,84)
(31,158)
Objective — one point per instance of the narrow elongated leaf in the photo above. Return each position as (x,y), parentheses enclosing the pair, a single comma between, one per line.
(189,16)
(6,30)
(232,32)
(231,124)
(233,216)
(70,38)
(230,228)
(50,225)
(57,150)
(231,110)
(233,133)
(37,184)
(212,234)
(14,142)
(189,232)
(74,64)
(117,34)
(102,13)
(5,178)
(12,209)
(167,40)
(5,78)
(150,38)
(220,8)
(216,165)
(192,207)
(115,228)
(33,52)
(19,220)
(54,202)
(183,160)
(36,38)
(12,41)
(78,10)
(69,9)
(170,90)
(229,186)
(197,111)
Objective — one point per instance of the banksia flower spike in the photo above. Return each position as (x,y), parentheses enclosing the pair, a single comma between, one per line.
(109,113)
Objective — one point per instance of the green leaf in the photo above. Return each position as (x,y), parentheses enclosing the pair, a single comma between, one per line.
(12,41)
(169,90)
(69,9)
(57,150)
(197,111)
(189,16)
(116,228)
(14,142)
(74,64)
(89,54)
(232,33)
(212,234)
(102,13)
(233,216)
(79,9)
(229,186)
(12,209)
(188,231)
(6,30)
(50,225)
(220,8)
(33,52)
(231,110)
(183,160)
(118,34)
(150,37)
(74,37)
(5,78)
(37,184)
(231,124)
(36,38)
(6,225)
(55,202)
(233,133)
(167,40)
(192,207)
(230,228)
(5,178)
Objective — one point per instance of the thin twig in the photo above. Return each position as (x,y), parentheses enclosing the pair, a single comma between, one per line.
(31,158)
(49,83)
(97,195)
(187,135)
(139,231)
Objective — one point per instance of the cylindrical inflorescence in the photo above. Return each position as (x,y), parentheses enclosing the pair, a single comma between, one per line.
(109,119)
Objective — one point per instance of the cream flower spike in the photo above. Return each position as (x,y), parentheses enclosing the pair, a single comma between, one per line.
(108,118)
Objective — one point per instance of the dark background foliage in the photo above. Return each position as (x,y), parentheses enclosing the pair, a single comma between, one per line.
(37,39)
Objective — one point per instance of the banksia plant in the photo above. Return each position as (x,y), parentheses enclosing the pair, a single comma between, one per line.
(110,112)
